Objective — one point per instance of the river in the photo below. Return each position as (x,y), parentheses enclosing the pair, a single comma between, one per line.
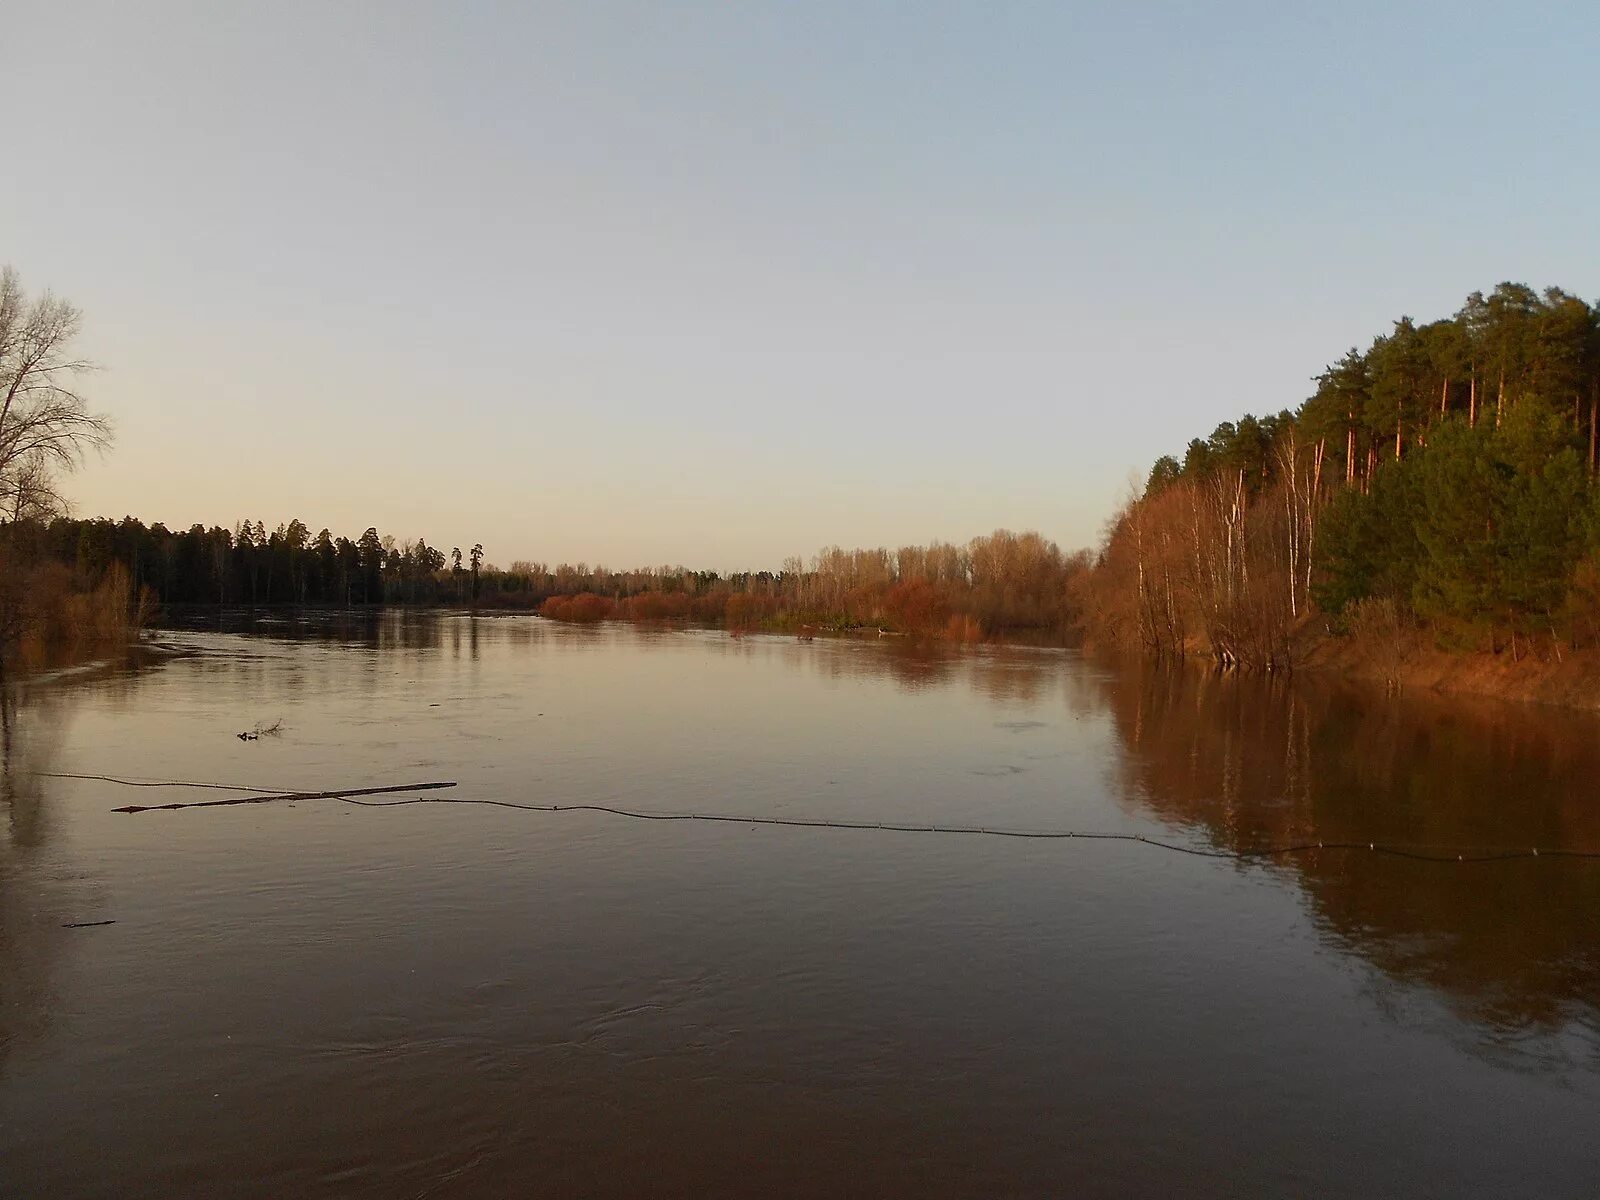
(313,998)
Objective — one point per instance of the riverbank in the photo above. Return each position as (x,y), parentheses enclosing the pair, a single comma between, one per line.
(1537,673)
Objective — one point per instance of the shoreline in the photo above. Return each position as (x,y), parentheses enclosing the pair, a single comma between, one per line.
(1539,676)
(1414,668)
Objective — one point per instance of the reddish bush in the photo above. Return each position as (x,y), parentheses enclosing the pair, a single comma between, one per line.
(655,606)
(584,608)
(963,628)
(709,607)
(915,606)
(746,610)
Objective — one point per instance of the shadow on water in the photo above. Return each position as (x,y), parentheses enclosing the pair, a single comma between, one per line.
(1245,762)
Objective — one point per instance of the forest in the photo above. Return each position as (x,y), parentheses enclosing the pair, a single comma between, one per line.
(1438,484)
(1000,583)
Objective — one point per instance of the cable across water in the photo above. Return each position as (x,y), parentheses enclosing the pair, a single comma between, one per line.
(1415,853)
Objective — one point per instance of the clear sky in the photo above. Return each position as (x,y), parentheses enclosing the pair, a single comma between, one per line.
(716,284)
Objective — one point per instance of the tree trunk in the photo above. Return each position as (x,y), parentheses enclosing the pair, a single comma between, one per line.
(1290,453)
(1594,419)
(1311,514)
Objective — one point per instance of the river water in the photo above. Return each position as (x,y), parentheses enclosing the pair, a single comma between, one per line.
(320,999)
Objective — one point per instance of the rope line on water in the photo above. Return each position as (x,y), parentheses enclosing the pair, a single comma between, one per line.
(1414,853)
(185,783)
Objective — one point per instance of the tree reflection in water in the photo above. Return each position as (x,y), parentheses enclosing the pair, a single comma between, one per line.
(30,901)
(1247,761)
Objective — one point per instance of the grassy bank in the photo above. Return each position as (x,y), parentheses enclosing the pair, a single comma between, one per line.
(1538,670)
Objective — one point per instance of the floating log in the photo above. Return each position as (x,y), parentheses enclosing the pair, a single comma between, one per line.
(336,795)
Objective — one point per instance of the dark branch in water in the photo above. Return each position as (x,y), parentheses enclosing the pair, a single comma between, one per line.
(261,731)
(339,795)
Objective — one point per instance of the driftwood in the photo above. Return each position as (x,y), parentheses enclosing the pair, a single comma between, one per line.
(339,795)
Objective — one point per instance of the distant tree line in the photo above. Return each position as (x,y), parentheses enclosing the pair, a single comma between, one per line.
(1442,479)
(994,584)
(254,566)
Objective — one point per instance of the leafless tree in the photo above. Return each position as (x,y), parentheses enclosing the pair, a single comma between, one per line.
(46,426)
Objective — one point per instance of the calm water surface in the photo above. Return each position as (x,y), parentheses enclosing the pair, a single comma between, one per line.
(315,999)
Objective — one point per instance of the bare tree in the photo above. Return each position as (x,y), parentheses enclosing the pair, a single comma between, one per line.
(29,493)
(45,424)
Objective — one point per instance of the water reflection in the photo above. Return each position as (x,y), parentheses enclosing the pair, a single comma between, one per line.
(1242,761)
(997,673)
(1247,761)
(31,900)
(1022,674)
(378,629)
(484,996)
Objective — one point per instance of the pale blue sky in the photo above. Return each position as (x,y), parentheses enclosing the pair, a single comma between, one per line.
(716,284)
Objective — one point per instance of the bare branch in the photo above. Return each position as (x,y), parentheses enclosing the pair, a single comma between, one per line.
(46,425)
